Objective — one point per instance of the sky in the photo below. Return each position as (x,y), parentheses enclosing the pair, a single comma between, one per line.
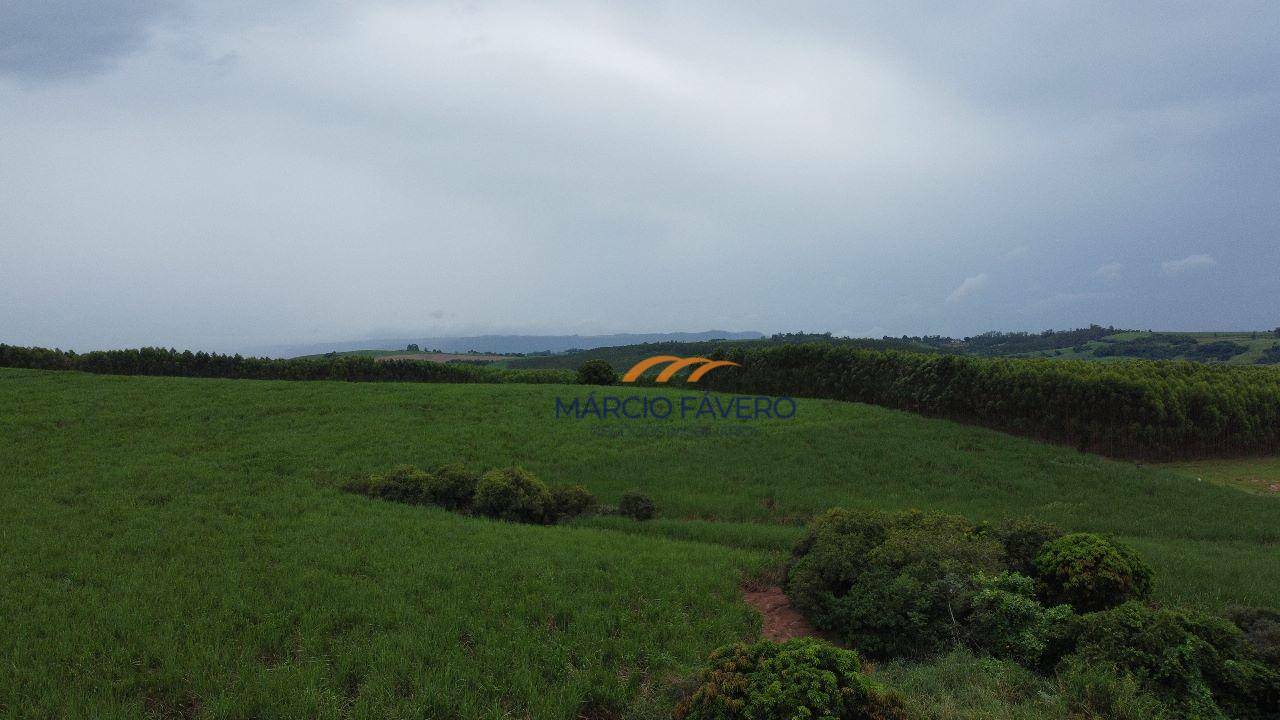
(224,175)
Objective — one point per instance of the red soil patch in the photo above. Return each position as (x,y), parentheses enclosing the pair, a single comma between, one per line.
(781,620)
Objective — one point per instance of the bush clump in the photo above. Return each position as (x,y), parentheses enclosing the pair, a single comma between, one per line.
(1004,620)
(890,585)
(569,501)
(1261,627)
(510,494)
(1023,539)
(403,483)
(596,372)
(1200,666)
(1090,573)
(636,505)
(801,678)
(513,494)
(451,487)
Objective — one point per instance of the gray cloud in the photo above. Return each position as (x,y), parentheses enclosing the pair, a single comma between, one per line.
(247,173)
(46,39)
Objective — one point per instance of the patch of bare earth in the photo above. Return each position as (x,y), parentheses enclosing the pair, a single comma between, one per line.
(781,620)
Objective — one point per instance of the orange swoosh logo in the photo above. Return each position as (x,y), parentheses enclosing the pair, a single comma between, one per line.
(675,365)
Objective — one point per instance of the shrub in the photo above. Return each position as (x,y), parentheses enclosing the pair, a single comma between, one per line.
(404,483)
(513,494)
(451,486)
(1090,573)
(1200,665)
(802,678)
(1022,540)
(1261,627)
(571,500)
(637,505)
(828,560)
(596,372)
(1004,620)
(892,586)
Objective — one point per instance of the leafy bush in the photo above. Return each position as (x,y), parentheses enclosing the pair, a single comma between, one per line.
(571,500)
(1200,665)
(596,372)
(892,586)
(1022,539)
(637,505)
(1261,627)
(802,678)
(1090,573)
(1004,620)
(513,494)
(404,483)
(452,487)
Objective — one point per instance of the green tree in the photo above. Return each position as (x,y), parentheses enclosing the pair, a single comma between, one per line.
(597,372)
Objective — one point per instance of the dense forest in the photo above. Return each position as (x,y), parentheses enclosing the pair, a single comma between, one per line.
(168,362)
(1136,409)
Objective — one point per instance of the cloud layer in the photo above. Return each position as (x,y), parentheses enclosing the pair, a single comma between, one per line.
(222,175)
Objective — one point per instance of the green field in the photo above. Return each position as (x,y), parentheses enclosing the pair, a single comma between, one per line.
(1255,475)
(1255,345)
(180,548)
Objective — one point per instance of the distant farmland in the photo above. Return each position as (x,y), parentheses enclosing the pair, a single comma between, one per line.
(442,357)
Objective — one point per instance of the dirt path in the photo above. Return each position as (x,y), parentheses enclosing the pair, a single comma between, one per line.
(781,620)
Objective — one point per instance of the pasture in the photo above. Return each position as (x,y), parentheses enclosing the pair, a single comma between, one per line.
(180,547)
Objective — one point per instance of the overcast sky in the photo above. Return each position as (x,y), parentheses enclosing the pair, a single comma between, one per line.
(231,174)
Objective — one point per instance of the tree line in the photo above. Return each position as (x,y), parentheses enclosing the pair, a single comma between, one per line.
(169,362)
(1133,409)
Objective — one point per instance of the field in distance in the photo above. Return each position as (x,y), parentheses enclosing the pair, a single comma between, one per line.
(383,355)
(1094,343)
(180,547)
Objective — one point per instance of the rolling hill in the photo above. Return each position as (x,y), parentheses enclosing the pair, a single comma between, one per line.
(180,547)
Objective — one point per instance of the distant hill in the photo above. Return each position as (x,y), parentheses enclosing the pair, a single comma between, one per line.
(622,357)
(622,350)
(504,344)
(1092,343)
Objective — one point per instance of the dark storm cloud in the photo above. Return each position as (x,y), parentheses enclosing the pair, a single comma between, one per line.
(249,172)
(48,39)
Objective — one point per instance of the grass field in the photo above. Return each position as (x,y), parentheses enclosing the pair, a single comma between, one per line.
(1255,344)
(179,548)
(1255,475)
